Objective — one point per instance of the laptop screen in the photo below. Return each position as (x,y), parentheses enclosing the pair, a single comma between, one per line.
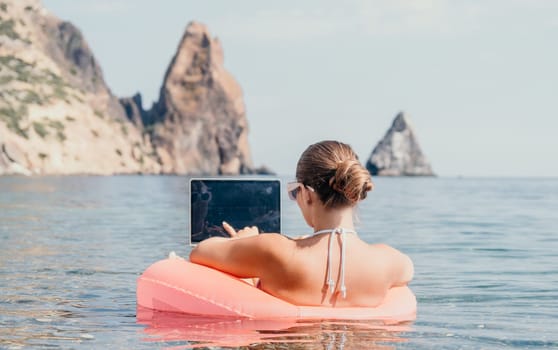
(239,202)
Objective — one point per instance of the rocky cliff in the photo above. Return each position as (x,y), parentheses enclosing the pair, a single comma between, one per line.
(57,115)
(399,153)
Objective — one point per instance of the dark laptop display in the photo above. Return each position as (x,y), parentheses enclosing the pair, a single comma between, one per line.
(239,202)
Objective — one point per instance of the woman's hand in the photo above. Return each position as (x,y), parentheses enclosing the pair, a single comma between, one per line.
(245,232)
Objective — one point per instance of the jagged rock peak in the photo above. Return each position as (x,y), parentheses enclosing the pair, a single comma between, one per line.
(58,116)
(201,105)
(399,153)
(198,34)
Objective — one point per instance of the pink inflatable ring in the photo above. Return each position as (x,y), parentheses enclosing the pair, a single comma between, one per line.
(177,285)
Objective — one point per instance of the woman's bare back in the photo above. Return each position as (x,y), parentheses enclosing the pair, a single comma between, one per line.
(300,274)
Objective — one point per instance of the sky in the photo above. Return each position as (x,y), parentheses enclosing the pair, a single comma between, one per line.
(478,79)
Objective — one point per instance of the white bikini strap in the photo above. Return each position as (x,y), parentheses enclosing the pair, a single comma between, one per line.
(330,282)
(343,288)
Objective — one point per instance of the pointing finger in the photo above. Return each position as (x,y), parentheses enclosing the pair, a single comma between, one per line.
(230,230)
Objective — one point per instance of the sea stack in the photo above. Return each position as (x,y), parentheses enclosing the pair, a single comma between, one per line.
(399,153)
(199,124)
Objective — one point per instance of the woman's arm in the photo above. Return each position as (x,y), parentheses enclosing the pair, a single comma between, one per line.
(406,270)
(243,255)
(403,269)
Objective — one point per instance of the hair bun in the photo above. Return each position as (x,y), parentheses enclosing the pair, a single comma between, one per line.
(351,180)
(332,168)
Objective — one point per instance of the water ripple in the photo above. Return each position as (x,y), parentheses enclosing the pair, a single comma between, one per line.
(71,248)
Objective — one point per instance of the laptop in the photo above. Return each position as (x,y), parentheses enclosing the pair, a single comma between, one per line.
(240,202)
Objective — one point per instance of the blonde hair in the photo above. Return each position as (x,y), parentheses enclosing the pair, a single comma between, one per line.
(332,168)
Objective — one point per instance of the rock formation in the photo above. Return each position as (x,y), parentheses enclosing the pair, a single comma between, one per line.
(199,123)
(399,153)
(57,115)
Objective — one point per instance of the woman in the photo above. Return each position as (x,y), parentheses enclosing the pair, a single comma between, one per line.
(331,267)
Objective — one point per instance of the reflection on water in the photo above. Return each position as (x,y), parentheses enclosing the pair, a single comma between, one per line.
(57,321)
(180,331)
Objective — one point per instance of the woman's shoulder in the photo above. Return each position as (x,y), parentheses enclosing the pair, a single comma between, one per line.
(383,247)
(401,265)
(382,253)
(274,242)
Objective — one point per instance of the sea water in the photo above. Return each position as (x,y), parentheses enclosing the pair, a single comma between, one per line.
(71,248)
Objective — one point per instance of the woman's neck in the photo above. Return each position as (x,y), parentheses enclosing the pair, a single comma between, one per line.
(324,219)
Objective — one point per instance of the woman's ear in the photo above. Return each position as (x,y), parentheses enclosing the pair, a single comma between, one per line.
(307,196)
